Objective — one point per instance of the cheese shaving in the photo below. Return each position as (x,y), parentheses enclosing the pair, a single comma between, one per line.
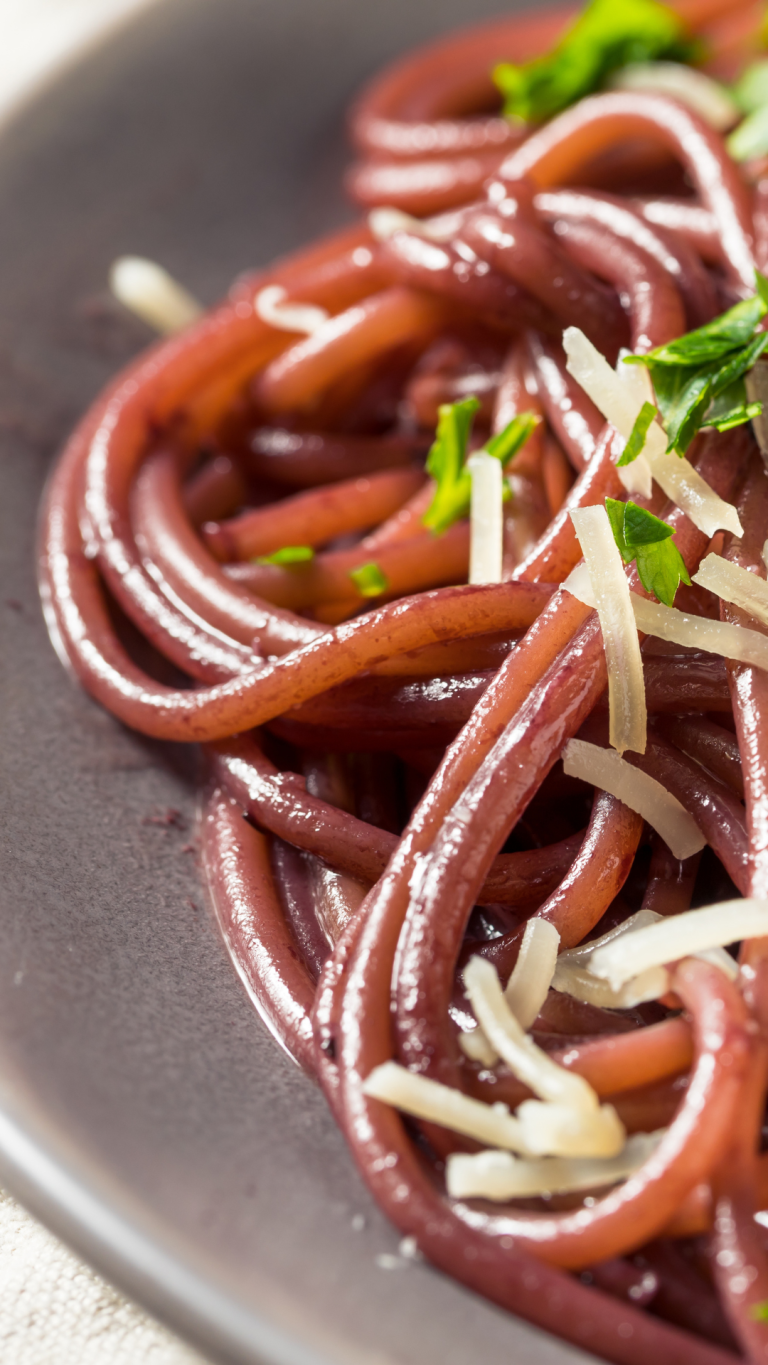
(426,1099)
(626,683)
(693,632)
(636,477)
(682,484)
(270,306)
(525,1060)
(573,977)
(530,981)
(486,518)
(500,1176)
(606,770)
(476,1047)
(619,405)
(384,222)
(694,931)
(578,982)
(561,1130)
(526,990)
(707,98)
(152,294)
(698,632)
(734,584)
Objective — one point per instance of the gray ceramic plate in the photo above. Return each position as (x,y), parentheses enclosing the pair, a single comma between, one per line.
(144,1113)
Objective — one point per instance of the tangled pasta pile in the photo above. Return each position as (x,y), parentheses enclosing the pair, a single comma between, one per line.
(478,812)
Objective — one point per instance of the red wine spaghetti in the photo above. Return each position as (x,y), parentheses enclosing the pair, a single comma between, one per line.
(487,737)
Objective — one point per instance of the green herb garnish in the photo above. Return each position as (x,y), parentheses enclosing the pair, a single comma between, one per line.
(290,554)
(446,461)
(607,35)
(639,432)
(759,1311)
(369,580)
(646,539)
(699,378)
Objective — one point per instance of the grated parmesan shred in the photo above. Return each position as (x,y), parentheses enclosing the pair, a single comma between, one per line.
(734,584)
(578,982)
(706,97)
(152,294)
(527,988)
(525,1060)
(441,1104)
(684,935)
(698,632)
(620,406)
(605,769)
(693,632)
(269,304)
(486,518)
(384,222)
(500,1176)
(626,683)
(561,1130)
(636,477)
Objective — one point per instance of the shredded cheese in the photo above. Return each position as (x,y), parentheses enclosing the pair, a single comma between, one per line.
(682,484)
(531,979)
(578,982)
(527,1061)
(707,98)
(500,1176)
(427,1099)
(694,931)
(626,683)
(608,771)
(561,1130)
(486,518)
(384,222)
(306,318)
(734,584)
(573,977)
(476,1047)
(619,405)
(698,632)
(636,477)
(149,291)
(693,632)
(526,990)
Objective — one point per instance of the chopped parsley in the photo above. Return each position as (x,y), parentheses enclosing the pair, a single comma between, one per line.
(698,379)
(646,539)
(759,1311)
(369,580)
(637,435)
(290,554)
(607,35)
(446,461)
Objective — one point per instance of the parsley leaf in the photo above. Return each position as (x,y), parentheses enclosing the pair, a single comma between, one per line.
(698,378)
(646,539)
(607,35)
(637,435)
(369,580)
(290,554)
(446,461)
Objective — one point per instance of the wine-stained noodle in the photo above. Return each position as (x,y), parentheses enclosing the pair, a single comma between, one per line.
(240,547)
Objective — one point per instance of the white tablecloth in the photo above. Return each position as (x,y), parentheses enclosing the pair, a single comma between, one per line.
(53,1309)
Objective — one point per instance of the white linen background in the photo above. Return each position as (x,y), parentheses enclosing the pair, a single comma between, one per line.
(54,1310)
